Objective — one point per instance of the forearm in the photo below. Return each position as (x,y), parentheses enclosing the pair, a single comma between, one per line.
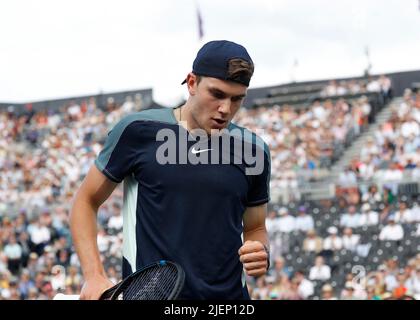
(254,253)
(255,257)
(258,234)
(83,226)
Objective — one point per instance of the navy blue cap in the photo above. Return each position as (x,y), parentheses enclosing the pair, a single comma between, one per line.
(213,58)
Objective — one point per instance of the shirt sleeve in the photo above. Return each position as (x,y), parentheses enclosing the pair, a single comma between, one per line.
(259,192)
(117,158)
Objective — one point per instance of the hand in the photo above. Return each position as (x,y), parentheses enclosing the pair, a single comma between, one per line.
(254,258)
(94,287)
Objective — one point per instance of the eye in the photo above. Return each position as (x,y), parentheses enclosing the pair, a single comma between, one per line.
(237,99)
(218,95)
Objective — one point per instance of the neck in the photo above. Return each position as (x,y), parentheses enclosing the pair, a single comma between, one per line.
(183,116)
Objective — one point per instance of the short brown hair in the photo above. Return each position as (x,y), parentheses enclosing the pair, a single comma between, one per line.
(237,69)
(240,69)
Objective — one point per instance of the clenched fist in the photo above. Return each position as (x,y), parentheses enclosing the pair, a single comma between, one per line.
(254,257)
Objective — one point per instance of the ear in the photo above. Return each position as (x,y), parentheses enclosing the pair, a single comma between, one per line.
(192,83)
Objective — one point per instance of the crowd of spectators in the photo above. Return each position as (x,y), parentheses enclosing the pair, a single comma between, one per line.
(381,84)
(393,152)
(367,249)
(44,155)
(388,282)
(305,141)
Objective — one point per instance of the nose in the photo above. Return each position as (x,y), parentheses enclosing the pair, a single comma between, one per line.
(224,107)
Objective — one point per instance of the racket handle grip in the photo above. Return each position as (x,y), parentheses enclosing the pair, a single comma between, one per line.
(107,294)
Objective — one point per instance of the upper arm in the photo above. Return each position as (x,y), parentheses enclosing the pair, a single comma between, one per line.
(95,188)
(119,154)
(254,218)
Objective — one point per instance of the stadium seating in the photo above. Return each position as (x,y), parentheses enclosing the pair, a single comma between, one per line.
(66,142)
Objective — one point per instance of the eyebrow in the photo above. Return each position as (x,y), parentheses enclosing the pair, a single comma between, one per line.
(218,91)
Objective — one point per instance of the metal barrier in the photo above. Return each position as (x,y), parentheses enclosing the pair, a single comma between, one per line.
(323,190)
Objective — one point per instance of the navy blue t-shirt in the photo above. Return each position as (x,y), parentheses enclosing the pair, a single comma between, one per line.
(187,212)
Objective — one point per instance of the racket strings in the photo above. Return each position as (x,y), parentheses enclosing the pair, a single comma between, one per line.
(156,283)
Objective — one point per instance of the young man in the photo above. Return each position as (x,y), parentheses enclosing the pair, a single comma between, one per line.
(201,206)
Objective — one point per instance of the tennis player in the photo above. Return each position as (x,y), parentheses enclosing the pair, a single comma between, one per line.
(208,216)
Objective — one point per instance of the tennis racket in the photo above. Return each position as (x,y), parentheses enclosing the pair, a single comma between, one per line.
(162,280)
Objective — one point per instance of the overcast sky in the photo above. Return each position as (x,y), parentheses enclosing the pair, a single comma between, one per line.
(54,49)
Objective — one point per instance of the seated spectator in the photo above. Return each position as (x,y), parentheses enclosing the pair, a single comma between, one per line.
(261,291)
(289,291)
(103,240)
(305,287)
(404,214)
(342,204)
(73,278)
(389,278)
(271,223)
(366,108)
(371,293)
(347,178)
(354,87)
(303,222)
(286,222)
(410,127)
(376,280)
(391,176)
(280,269)
(373,85)
(320,271)
(115,222)
(348,292)
(276,240)
(13,252)
(386,86)
(369,149)
(362,250)
(25,284)
(413,282)
(400,289)
(312,242)
(392,265)
(330,89)
(350,219)
(350,240)
(333,242)
(415,211)
(328,292)
(368,217)
(372,196)
(40,235)
(367,168)
(58,278)
(388,195)
(392,231)
(357,283)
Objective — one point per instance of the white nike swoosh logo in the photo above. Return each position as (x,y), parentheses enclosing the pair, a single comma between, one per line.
(194,151)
